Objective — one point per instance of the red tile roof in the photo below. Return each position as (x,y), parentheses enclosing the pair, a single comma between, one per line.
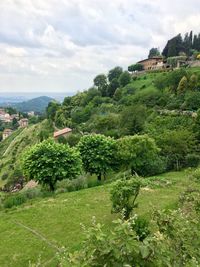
(62,132)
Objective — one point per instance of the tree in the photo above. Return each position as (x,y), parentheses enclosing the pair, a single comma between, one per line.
(176,145)
(193,82)
(124,78)
(100,81)
(153,52)
(112,87)
(49,162)
(133,119)
(173,47)
(182,86)
(53,106)
(98,154)
(15,124)
(135,67)
(136,151)
(114,73)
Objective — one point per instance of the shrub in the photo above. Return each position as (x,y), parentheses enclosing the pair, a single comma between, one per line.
(141,227)
(123,196)
(196,174)
(4,176)
(71,185)
(31,193)
(14,200)
(192,160)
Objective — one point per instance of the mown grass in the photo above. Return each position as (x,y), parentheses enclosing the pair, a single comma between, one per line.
(58,219)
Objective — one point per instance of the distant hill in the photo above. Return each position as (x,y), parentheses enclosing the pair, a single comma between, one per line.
(37,104)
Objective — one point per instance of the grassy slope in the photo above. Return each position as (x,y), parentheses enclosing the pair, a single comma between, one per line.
(58,220)
(12,148)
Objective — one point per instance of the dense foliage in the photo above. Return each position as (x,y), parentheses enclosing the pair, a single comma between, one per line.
(49,162)
(123,196)
(98,154)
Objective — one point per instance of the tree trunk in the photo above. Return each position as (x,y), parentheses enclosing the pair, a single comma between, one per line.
(51,187)
(99,177)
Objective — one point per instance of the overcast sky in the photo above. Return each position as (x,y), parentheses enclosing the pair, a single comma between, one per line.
(60,45)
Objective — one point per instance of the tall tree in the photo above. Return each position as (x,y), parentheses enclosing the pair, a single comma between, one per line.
(100,81)
(153,52)
(124,78)
(114,73)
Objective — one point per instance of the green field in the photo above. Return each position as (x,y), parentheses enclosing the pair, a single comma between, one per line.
(42,226)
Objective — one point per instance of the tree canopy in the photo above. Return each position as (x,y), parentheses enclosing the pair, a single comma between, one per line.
(49,162)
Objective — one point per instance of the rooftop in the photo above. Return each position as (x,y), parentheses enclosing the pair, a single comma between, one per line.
(62,132)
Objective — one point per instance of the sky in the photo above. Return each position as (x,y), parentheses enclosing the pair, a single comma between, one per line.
(60,46)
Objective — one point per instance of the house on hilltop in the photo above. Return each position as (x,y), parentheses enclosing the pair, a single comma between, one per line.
(23,123)
(6,133)
(152,63)
(64,132)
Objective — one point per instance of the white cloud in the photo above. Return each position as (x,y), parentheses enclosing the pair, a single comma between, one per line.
(62,45)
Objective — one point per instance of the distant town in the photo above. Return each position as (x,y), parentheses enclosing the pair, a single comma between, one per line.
(10,121)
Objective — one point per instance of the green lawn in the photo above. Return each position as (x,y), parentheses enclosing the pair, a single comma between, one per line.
(40,227)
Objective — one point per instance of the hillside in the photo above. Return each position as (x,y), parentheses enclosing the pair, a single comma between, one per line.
(37,104)
(12,148)
(42,227)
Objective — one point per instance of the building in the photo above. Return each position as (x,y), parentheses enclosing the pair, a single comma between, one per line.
(6,133)
(15,116)
(64,132)
(152,63)
(23,123)
(31,113)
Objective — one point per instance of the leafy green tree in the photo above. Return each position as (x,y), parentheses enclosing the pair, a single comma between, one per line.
(182,86)
(49,162)
(153,52)
(15,124)
(135,67)
(114,73)
(173,47)
(51,110)
(193,82)
(133,119)
(98,154)
(123,196)
(124,78)
(136,151)
(112,87)
(192,101)
(176,145)
(100,81)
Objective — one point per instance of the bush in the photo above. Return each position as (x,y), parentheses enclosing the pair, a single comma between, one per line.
(31,193)
(123,196)
(156,166)
(14,200)
(71,185)
(141,227)
(196,174)
(4,176)
(192,160)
